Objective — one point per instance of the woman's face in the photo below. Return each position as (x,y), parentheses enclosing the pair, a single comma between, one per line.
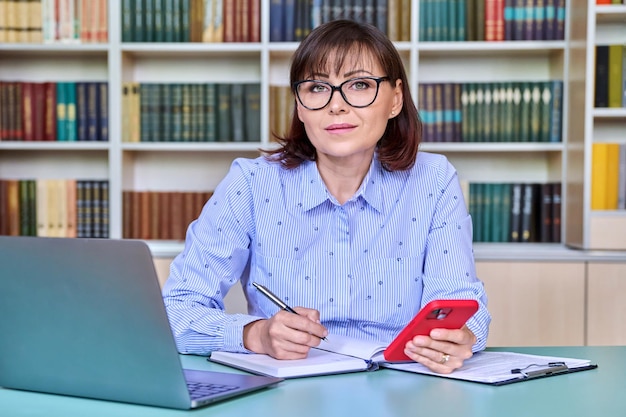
(341,132)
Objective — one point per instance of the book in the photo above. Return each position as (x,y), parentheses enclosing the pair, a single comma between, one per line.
(343,354)
(601,97)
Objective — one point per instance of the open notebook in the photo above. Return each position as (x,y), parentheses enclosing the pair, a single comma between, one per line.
(341,354)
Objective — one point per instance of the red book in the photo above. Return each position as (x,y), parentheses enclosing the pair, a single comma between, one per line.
(50,112)
(177,220)
(4,209)
(28,110)
(39,117)
(254,24)
(165,216)
(603,1)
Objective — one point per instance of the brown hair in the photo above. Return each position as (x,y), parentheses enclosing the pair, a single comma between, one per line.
(341,40)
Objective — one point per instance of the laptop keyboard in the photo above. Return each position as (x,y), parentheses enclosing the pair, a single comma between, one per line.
(201,390)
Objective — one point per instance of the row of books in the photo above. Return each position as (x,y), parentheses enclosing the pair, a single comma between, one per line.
(54,208)
(610,76)
(603,2)
(491,112)
(515,212)
(206,112)
(292,20)
(54,111)
(608,176)
(191,20)
(491,20)
(68,21)
(160,215)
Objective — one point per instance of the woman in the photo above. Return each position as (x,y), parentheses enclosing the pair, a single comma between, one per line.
(345,220)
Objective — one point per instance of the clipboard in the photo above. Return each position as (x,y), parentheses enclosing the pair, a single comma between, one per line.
(553,369)
(498,368)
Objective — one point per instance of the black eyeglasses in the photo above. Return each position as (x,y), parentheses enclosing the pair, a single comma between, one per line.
(357,92)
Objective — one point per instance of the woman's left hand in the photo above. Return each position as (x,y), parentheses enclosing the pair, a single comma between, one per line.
(443,350)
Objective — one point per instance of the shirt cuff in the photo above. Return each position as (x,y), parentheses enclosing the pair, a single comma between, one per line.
(233,332)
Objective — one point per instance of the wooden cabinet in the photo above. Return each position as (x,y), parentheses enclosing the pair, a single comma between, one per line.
(535,303)
(606,303)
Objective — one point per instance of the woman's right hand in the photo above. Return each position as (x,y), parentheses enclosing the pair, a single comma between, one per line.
(285,335)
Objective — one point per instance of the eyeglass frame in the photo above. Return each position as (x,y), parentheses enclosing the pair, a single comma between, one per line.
(334,88)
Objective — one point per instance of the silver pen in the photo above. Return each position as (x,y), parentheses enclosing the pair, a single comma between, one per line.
(280,303)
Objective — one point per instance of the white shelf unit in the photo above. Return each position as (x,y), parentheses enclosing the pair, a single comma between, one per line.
(200,166)
(593,25)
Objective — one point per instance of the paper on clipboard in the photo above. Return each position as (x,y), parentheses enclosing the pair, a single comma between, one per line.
(495,368)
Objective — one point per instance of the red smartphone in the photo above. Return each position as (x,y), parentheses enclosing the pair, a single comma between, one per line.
(438,314)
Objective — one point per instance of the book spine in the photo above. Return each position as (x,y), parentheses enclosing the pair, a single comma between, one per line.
(50,123)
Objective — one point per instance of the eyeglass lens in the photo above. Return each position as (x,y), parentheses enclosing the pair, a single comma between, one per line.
(357,92)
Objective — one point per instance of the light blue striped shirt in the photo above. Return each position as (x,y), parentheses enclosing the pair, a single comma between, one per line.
(368,266)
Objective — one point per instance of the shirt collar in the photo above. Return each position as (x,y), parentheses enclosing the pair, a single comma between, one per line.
(314,191)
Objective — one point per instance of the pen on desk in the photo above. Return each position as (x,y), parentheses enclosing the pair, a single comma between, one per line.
(280,303)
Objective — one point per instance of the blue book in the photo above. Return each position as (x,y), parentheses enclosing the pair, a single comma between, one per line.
(61,112)
(93,102)
(70,91)
(277,21)
(81,111)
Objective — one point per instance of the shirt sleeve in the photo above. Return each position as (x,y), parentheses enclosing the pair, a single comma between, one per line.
(215,256)
(449,268)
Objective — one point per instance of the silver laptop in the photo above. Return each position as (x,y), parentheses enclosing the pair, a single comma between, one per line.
(85,317)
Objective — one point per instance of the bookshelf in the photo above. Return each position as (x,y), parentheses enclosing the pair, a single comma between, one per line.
(587,277)
(592,25)
(163,166)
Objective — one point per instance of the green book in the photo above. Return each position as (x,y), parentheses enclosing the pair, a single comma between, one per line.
(475,210)
(128,20)
(139,28)
(461,19)
(556,120)
(185,21)
(166,113)
(148,20)
(487,209)
(472,113)
(210,112)
(252,94)
(525,112)
(535,112)
(451,25)
(237,112)
(496,212)
(517,112)
(158,33)
(177,112)
(480,109)
(516,212)
(198,113)
(546,111)
(155,113)
(224,121)
(465,115)
(505,219)
(168,21)
(145,95)
(177,22)
(471,20)
(186,113)
(508,116)
(615,76)
(487,112)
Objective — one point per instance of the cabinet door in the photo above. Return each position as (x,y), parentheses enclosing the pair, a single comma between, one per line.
(606,304)
(535,303)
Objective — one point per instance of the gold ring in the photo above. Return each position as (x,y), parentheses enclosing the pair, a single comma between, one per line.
(444,359)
